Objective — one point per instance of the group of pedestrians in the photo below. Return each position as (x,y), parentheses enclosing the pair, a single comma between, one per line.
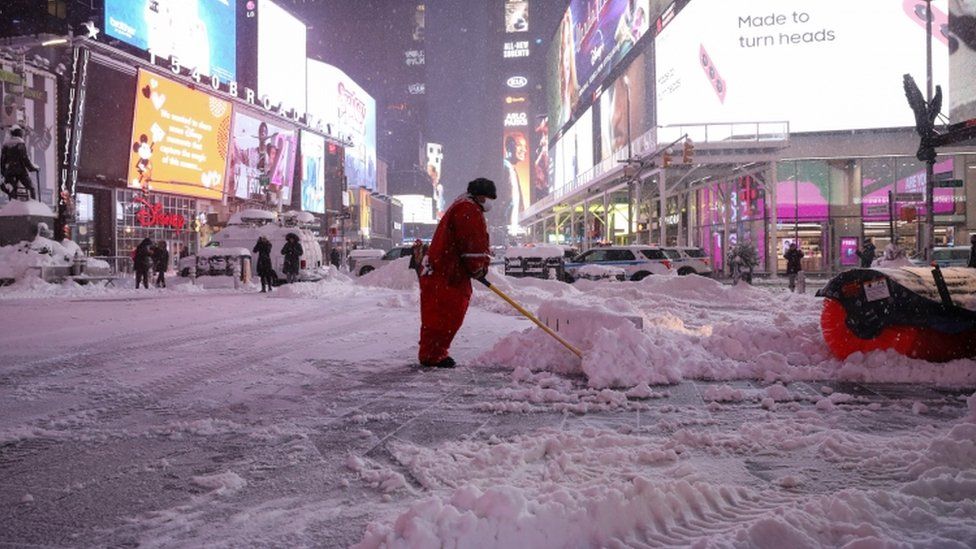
(292,250)
(149,256)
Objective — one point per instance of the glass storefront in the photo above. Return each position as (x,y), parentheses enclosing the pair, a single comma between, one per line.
(138,215)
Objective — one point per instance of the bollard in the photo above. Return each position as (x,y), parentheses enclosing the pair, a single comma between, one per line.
(234,273)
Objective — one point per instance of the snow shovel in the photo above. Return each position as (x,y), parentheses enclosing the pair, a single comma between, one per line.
(531,317)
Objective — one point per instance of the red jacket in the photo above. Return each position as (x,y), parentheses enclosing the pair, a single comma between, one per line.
(459,248)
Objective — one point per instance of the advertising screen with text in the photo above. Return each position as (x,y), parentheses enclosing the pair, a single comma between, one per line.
(179,139)
(822,65)
(201,34)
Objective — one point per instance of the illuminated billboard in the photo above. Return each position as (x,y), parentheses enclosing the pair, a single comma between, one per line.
(313,172)
(281,56)
(434,159)
(633,92)
(417,208)
(587,46)
(179,139)
(540,161)
(516,16)
(201,34)
(962,59)
(574,151)
(732,61)
(346,111)
(262,158)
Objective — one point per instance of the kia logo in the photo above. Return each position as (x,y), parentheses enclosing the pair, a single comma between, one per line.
(517,82)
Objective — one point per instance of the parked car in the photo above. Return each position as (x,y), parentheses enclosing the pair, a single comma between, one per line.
(365,261)
(638,262)
(947,256)
(688,260)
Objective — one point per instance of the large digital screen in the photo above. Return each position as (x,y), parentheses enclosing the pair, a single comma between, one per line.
(281,56)
(347,111)
(262,158)
(574,151)
(822,66)
(540,161)
(417,208)
(201,34)
(590,41)
(631,92)
(313,172)
(179,139)
(962,58)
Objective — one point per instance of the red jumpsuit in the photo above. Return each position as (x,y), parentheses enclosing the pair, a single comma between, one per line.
(458,251)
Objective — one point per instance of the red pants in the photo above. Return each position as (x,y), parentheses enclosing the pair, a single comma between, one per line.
(442,309)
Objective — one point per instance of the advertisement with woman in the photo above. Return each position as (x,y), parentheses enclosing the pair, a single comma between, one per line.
(262,159)
(588,44)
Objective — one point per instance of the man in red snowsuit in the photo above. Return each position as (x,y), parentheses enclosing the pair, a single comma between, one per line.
(458,252)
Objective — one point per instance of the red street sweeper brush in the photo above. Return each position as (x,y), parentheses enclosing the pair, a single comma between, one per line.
(920,312)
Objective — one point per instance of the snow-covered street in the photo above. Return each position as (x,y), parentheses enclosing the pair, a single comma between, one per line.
(217,417)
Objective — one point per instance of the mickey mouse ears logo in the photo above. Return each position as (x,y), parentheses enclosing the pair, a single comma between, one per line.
(146,91)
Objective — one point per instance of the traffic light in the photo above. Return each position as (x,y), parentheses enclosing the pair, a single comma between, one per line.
(688,153)
(666,159)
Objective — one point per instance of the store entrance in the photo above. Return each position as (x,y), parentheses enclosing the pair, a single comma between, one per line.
(811,238)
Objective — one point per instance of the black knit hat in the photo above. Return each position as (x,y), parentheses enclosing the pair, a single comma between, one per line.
(482,187)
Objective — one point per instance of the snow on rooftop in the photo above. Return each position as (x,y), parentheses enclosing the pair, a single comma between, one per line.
(252,216)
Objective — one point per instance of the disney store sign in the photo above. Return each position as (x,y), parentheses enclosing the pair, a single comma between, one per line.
(152,215)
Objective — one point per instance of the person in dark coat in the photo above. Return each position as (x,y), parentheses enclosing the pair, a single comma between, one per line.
(793,266)
(15,164)
(265,271)
(867,253)
(292,250)
(161,263)
(142,262)
(972,252)
(417,253)
(335,257)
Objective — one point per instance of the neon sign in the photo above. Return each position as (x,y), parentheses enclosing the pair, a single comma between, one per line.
(152,215)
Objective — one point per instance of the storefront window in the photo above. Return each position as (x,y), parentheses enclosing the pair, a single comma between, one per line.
(156,217)
(802,210)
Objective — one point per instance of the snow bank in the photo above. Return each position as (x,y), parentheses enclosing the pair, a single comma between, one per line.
(691,328)
(16,261)
(16,208)
(395,275)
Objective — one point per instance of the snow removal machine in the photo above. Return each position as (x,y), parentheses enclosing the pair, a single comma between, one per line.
(921,312)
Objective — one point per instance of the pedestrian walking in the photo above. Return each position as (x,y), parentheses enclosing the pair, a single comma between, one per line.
(265,272)
(867,253)
(335,257)
(458,252)
(794,268)
(292,250)
(142,262)
(417,252)
(161,263)
(972,251)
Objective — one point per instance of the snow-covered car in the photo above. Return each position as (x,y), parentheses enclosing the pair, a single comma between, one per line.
(365,261)
(688,260)
(947,256)
(244,228)
(638,262)
(538,261)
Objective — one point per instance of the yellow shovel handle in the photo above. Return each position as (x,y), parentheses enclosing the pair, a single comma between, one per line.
(531,317)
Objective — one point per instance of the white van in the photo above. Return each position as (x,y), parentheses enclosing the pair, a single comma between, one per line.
(244,228)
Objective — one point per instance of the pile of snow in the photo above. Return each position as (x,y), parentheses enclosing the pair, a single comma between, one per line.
(543,251)
(395,275)
(601,272)
(694,328)
(218,251)
(19,208)
(17,261)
